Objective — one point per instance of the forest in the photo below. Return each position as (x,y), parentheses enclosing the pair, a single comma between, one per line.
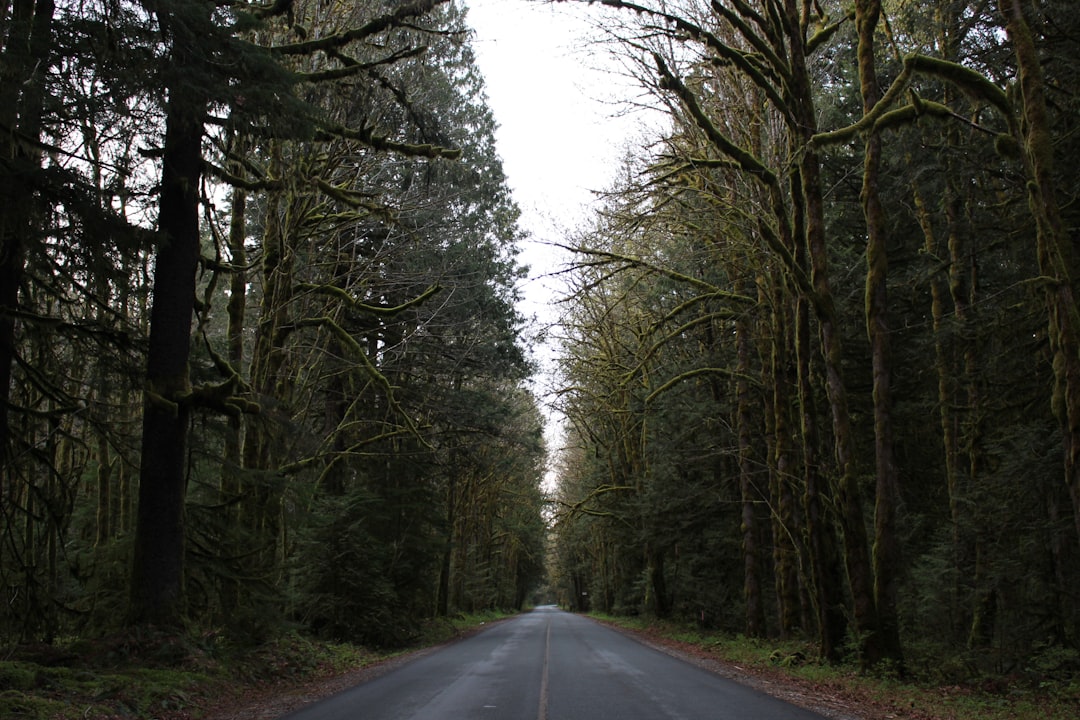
(261,358)
(820,364)
(818,370)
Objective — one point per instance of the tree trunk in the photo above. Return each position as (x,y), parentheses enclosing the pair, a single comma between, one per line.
(442,602)
(957,369)
(24,62)
(104,477)
(262,509)
(157,595)
(1053,245)
(784,469)
(848,496)
(755,610)
(886,542)
(237,310)
(828,581)
(661,604)
(231,487)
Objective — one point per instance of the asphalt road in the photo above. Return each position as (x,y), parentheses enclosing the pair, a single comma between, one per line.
(550,665)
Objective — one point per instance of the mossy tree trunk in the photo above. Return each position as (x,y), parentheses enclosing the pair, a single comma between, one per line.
(231,484)
(784,466)
(793,207)
(826,570)
(264,443)
(1054,247)
(748,462)
(847,493)
(886,547)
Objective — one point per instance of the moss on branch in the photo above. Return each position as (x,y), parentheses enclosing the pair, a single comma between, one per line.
(826,32)
(696,372)
(971,82)
(744,159)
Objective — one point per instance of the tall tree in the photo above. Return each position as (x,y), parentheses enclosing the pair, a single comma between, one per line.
(783,41)
(887,496)
(937,161)
(193,34)
(1057,260)
(26,46)
(157,571)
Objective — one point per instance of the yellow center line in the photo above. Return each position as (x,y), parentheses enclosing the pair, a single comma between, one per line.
(542,712)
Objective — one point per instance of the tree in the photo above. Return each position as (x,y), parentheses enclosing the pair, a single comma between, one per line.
(27,41)
(1053,248)
(157,576)
(370,339)
(886,542)
(65,246)
(784,43)
(192,35)
(838,144)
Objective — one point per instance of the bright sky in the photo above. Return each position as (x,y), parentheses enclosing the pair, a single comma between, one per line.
(559,135)
(562,133)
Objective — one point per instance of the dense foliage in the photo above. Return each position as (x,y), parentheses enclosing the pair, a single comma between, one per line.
(821,345)
(259,351)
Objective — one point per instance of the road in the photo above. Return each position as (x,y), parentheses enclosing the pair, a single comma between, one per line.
(550,665)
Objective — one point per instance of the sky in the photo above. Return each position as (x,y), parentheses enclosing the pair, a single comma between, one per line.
(560,137)
(560,133)
(559,101)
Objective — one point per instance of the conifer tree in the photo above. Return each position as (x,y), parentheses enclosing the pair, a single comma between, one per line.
(195,86)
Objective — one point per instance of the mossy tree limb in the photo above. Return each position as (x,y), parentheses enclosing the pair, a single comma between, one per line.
(1054,248)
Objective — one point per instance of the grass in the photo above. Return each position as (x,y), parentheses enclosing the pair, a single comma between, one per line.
(878,696)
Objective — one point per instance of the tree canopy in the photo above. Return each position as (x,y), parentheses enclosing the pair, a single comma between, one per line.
(820,346)
(260,349)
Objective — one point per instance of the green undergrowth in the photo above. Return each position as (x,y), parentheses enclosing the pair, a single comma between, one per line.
(63,685)
(442,630)
(876,695)
(173,677)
